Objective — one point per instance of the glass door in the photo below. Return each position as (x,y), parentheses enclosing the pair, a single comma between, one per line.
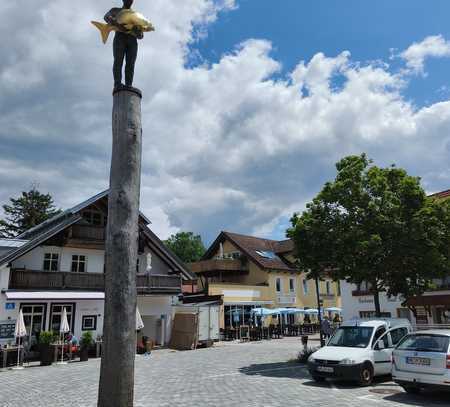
(34,317)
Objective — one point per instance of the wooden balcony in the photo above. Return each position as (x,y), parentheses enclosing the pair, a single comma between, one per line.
(88,232)
(216,266)
(58,280)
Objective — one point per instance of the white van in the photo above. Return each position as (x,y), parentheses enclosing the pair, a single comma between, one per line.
(359,350)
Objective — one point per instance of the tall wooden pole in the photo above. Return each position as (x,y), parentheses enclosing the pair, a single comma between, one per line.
(119,329)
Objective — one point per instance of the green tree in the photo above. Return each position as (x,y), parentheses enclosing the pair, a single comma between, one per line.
(374,225)
(187,246)
(30,209)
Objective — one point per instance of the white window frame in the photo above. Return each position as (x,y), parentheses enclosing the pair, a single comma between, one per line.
(54,257)
(77,262)
(278,286)
(305,286)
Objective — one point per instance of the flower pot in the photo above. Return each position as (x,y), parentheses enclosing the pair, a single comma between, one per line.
(84,354)
(46,354)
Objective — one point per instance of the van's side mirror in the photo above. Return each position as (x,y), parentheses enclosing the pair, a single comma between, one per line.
(379,345)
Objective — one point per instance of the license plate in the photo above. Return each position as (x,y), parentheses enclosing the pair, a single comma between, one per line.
(325,369)
(418,361)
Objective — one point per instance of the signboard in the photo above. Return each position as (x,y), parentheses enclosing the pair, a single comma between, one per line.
(9,306)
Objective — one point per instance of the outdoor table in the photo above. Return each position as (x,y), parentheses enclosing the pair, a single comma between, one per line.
(5,352)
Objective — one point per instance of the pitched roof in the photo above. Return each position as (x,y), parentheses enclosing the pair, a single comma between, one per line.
(441,195)
(250,246)
(284,246)
(44,231)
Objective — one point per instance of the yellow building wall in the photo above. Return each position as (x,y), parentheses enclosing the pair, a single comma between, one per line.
(257,276)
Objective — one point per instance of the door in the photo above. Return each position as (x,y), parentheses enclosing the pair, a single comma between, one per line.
(34,318)
(382,352)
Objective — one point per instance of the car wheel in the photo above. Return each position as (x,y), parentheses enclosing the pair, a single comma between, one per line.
(318,379)
(411,389)
(366,375)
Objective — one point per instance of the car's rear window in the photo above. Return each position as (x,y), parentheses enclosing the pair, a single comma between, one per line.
(425,343)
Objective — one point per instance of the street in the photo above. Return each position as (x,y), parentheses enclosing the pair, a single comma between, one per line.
(260,374)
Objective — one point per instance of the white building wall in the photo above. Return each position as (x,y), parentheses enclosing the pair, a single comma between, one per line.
(352,305)
(34,260)
(157,315)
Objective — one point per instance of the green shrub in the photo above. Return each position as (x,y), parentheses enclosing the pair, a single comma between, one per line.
(86,339)
(47,337)
(304,355)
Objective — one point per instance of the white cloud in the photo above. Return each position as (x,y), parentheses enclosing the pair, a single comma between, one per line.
(433,46)
(226,146)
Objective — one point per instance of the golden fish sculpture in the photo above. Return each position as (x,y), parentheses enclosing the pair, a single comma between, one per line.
(127,18)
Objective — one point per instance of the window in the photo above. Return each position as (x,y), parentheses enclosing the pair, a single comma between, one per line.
(278,284)
(34,318)
(266,254)
(328,287)
(95,218)
(51,261)
(381,331)
(138,263)
(56,311)
(397,335)
(89,323)
(78,263)
(338,288)
(305,286)
(425,343)
(232,255)
(292,284)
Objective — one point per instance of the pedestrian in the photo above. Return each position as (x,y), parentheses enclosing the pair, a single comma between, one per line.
(326,328)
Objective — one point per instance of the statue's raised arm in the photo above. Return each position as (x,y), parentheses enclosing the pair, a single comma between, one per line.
(129,26)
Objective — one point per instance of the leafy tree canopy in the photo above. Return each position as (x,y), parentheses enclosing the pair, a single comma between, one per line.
(374,225)
(30,209)
(187,246)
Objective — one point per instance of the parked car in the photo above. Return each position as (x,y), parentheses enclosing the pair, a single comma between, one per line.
(359,350)
(422,360)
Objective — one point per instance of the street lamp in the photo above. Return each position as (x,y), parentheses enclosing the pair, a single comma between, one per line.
(319,308)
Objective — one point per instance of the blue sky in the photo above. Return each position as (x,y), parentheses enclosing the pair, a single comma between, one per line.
(299,29)
(242,124)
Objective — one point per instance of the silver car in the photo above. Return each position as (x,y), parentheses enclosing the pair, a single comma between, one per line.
(422,360)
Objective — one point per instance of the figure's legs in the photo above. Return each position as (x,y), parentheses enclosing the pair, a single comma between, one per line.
(119,48)
(131,55)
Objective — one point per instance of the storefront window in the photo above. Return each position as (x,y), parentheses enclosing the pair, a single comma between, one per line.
(56,312)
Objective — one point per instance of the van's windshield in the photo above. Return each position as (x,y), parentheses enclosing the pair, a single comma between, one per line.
(352,337)
(425,343)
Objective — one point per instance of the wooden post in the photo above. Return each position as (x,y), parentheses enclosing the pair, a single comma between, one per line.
(119,329)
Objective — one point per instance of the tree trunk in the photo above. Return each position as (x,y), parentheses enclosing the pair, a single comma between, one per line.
(116,387)
(376,301)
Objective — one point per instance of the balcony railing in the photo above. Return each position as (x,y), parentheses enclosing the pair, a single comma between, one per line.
(59,280)
(88,232)
(217,265)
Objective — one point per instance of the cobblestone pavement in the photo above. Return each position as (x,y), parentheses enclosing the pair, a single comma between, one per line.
(247,375)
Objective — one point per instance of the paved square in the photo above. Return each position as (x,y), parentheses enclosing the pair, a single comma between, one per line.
(248,375)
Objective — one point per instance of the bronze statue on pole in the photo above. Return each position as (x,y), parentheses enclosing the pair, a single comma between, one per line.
(129,26)
(116,388)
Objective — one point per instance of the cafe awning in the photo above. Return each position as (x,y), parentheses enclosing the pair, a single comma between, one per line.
(428,300)
(53,295)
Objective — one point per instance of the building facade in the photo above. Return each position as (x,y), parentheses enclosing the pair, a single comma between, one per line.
(250,272)
(60,264)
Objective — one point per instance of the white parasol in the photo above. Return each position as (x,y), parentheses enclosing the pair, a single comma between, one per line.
(19,332)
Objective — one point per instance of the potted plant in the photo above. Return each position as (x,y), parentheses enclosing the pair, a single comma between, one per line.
(46,338)
(85,344)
